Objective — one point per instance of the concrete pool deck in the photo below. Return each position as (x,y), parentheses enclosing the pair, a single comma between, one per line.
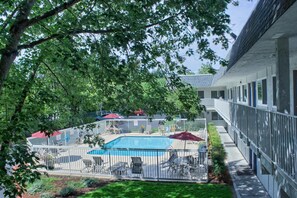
(70,160)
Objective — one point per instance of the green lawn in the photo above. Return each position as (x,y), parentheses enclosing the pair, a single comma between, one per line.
(142,189)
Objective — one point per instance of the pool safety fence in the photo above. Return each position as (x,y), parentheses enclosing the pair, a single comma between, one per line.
(75,135)
(145,164)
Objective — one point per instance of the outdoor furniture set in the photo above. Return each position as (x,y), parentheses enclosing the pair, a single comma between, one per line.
(183,166)
(119,168)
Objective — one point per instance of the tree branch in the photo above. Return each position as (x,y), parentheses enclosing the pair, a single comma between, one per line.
(85,31)
(52,12)
(57,78)
(9,18)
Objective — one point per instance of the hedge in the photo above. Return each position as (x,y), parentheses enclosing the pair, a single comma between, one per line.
(217,151)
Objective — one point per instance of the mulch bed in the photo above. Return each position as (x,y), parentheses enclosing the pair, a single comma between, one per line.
(223,179)
(64,180)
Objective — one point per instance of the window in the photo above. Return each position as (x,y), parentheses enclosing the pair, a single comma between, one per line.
(214,94)
(215,116)
(222,94)
(239,94)
(201,94)
(262,91)
(264,86)
(250,94)
(244,93)
(259,92)
(274,90)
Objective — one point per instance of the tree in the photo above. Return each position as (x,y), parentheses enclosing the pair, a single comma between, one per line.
(60,60)
(207,69)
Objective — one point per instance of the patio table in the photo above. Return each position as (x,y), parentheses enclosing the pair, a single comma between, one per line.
(183,166)
(119,168)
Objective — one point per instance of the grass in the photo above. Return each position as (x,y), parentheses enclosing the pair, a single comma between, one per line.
(158,189)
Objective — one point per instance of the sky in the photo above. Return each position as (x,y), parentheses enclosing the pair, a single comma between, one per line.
(238,15)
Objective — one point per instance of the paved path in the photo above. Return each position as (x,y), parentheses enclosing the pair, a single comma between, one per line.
(245,182)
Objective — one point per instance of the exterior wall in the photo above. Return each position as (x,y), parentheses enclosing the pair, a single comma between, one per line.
(268,181)
(267,74)
(208,117)
(207,90)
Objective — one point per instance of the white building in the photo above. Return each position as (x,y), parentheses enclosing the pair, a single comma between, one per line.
(258,93)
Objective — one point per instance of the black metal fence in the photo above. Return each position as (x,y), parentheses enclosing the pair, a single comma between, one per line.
(150,164)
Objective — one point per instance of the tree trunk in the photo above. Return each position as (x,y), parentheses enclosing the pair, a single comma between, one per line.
(10,51)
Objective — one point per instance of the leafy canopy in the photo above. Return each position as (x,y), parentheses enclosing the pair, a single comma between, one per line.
(207,69)
(59,60)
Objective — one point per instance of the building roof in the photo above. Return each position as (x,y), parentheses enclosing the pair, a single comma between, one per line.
(218,75)
(200,80)
(203,80)
(263,17)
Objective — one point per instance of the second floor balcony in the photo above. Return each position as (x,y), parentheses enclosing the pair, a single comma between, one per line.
(274,134)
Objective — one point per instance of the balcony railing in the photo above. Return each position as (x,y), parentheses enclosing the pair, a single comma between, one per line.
(275,134)
(223,108)
(208,102)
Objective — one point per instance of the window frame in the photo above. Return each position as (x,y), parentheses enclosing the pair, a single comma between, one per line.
(199,95)
(263,100)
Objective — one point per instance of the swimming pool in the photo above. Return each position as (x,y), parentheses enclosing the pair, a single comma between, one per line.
(134,146)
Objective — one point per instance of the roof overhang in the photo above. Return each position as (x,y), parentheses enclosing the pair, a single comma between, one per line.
(262,53)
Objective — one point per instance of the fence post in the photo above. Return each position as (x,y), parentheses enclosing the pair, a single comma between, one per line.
(109,162)
(69,161)
(158,174)
(271,136)
(257,142)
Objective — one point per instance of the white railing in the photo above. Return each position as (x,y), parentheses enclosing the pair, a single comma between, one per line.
(75,135)
(208,102)
(223,108)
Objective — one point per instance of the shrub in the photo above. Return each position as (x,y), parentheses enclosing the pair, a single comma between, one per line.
(42,185)
(76,184)
(90,182)
(217,151)
(67,191)
(35,187)
(46,195)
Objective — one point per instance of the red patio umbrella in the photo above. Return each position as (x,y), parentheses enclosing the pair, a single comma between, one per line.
(112,115)
(186,136)
(40,134)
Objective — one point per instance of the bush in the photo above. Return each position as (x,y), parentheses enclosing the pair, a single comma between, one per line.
(35,187)
(194,125)
(217,151)
(46,195)
(67,191)
(90,182)
(42,185)
(77,184)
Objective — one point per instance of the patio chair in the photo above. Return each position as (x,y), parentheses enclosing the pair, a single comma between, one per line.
(99,164)
(170,161)
(113,129)
(88,165)
(136,165)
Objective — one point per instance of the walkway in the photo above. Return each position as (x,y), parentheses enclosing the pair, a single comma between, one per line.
(245,182)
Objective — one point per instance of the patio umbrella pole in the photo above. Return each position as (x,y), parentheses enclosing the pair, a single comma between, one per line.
(185,147)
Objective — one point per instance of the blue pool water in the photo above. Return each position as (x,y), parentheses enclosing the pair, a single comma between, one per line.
(133,145)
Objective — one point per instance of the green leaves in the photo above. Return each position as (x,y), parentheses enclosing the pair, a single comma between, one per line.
(63,59)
